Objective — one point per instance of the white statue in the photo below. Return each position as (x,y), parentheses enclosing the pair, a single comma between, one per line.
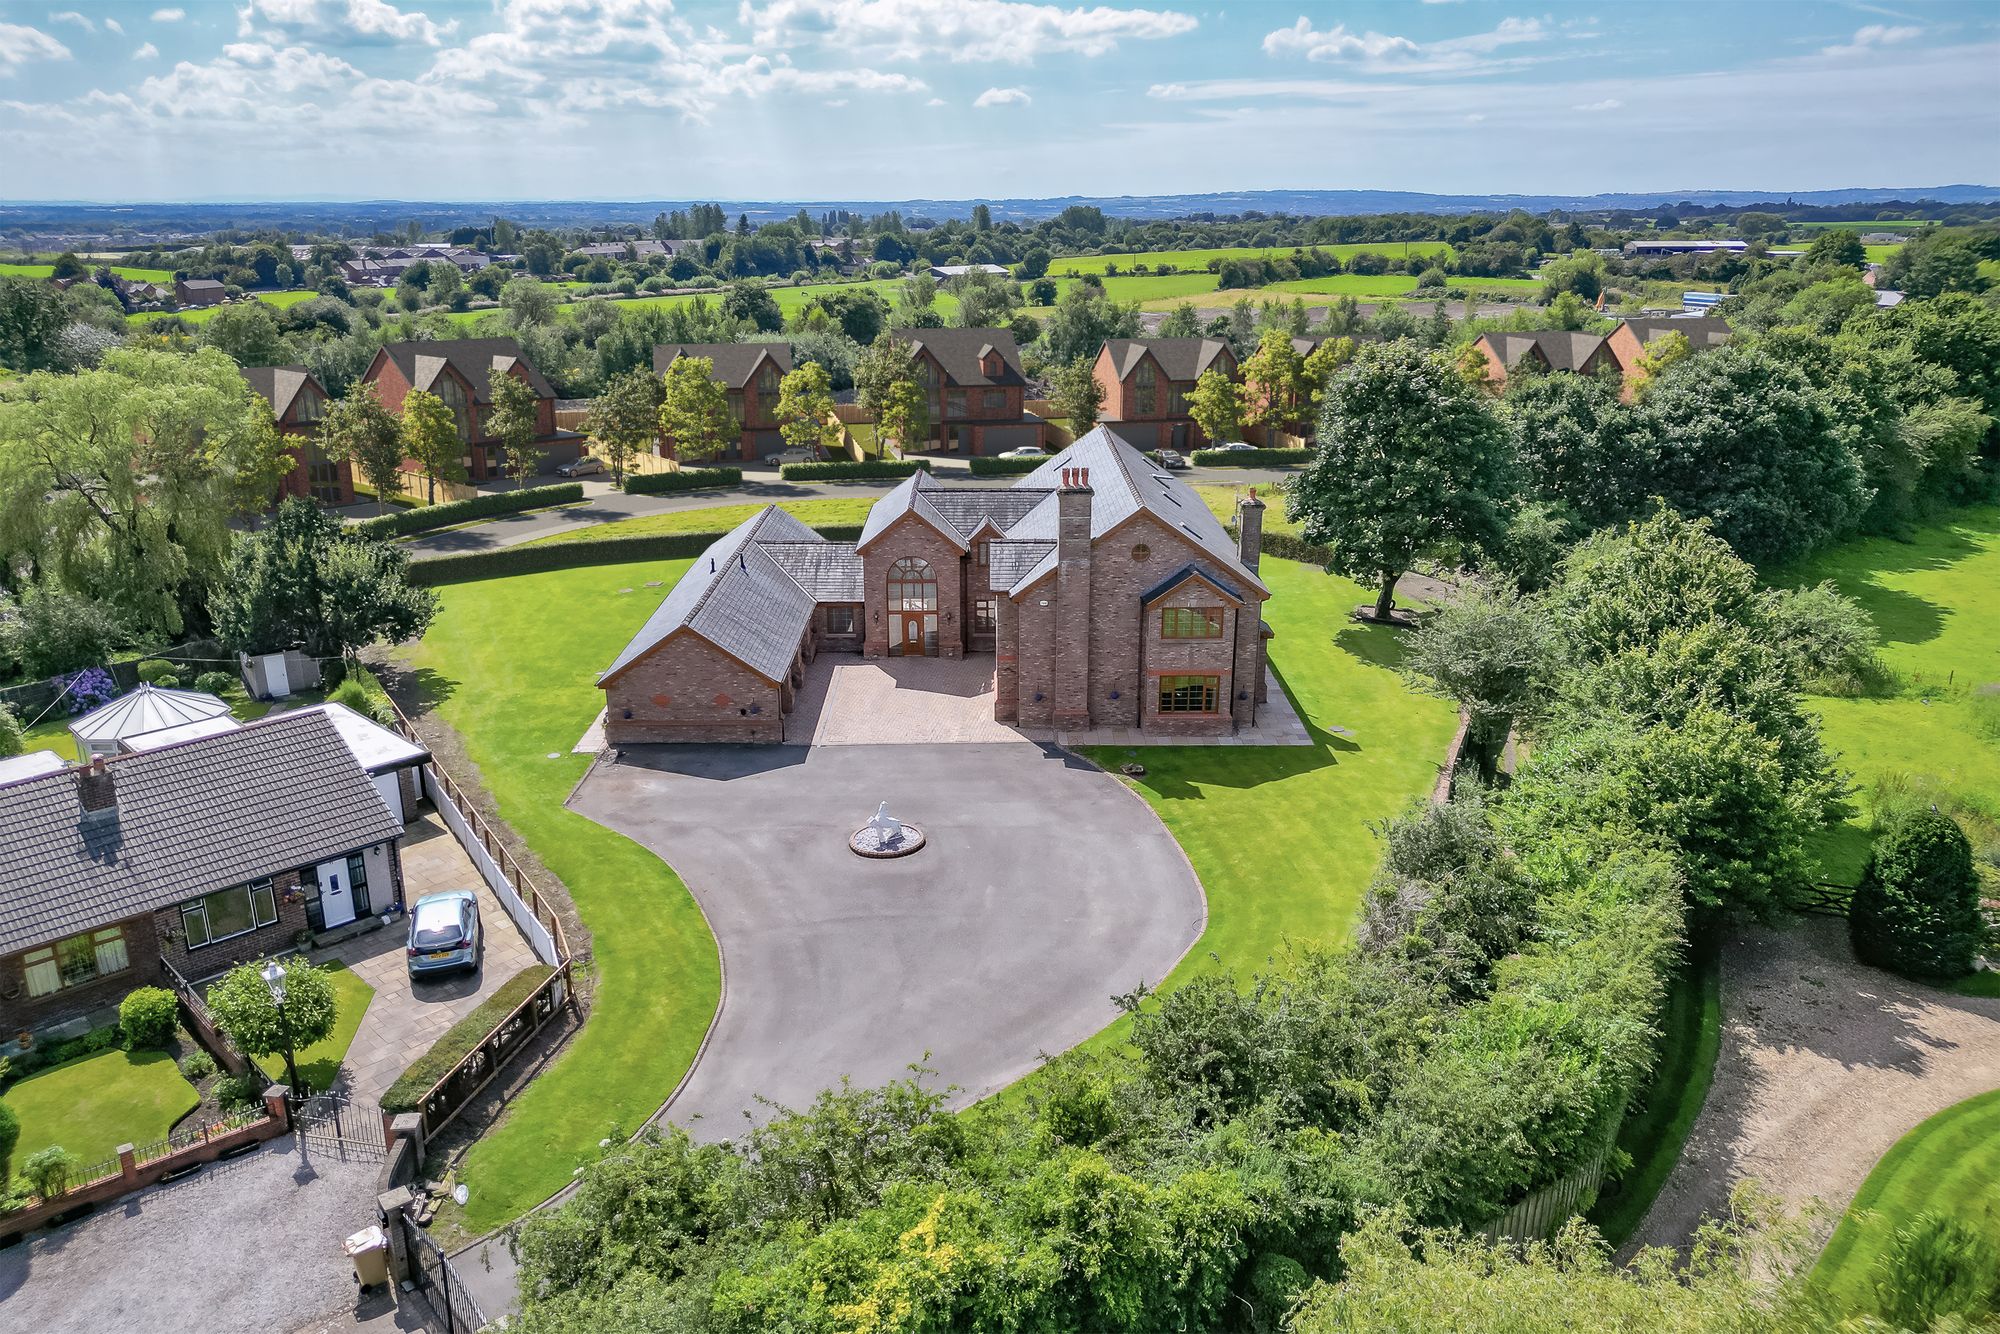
(888,829)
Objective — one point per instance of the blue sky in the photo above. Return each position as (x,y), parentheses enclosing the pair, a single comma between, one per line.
(887,99)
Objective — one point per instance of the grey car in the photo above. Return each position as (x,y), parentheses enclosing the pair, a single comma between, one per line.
(445,934)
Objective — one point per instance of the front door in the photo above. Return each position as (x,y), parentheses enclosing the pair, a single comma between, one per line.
(336,896)
(913,633)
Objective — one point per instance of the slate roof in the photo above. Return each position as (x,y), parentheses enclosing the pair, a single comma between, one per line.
(279,385)
(1702,331)
(1564,350)
(960,351)
(1179,358)
(1192,570)
(421,363)
(735,363)
(202,284)
(189,819)
(829,571)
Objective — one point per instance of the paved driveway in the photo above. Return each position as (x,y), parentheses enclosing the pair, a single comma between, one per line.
(1045,888)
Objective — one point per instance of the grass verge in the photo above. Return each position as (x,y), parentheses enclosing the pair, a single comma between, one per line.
(827,513)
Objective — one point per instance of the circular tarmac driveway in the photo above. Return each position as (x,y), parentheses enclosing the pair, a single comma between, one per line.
(1045,888)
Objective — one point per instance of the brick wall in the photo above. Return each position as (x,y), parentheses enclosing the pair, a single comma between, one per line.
(1035,612)
(19,1013)
(208,960)
(911,536)
(686,689)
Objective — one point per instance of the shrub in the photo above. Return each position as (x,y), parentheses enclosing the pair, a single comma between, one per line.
(1916,911)
(215,683)
(159,672)
(536,557)
(196,1066)
(149,1015)
(983,466)
(1937,1266)
(90,688)
(235,1092)
(242,1006)
(11,738)
(10,1135)
(353,694)
(405,522)
(1250,458)
(48,1171)
(460,1040)
(838,469)
(687,479)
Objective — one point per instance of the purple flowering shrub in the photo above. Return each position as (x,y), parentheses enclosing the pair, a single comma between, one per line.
(89,689)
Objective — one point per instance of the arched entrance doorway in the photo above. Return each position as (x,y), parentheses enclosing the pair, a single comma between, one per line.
(913,622)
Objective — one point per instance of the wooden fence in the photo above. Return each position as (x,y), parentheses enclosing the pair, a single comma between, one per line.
(455,1091)
(1542,1214)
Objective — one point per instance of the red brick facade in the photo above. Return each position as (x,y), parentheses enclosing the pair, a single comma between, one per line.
(1165,423)
(686,689)
(887,627)
(313,474)
(483,459)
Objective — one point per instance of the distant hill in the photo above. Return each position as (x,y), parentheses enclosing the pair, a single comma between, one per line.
(365,216)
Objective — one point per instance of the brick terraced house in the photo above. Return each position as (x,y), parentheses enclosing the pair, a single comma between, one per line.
(200,854)
(1146,383)
(973,380)
(1105,590)
(298,405)
(749,374)
(460,371)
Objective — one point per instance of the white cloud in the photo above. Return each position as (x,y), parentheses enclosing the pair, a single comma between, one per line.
(1874,35)
(71,16)
(115,26)
(1337,43)
(1002,97)
(1475,118)
(1385,53)
(935,102)
(1604,104)
(147,52)
(19,45)
(1167,90)
(345,20)
(377,18)
(169,15)
(957,30)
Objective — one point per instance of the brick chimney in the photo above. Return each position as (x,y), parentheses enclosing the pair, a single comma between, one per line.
(1250,530)
(97,789)
(1070,679)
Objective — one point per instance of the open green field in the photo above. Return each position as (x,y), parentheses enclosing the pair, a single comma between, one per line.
(1185,260)
(832,512)
(204,314)
(1947,1164)
(519,685)
(130,274)
(95,1103)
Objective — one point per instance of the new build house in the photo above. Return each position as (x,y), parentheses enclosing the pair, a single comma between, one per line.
(1105,590)
(973,381)
(1618,352)
(298,405)
(749,374)
(461,371)
(1146,383)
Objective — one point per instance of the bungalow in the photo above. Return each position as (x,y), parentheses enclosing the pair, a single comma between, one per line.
(460,371)
(976,389)
(1146,383)
(298,405)
(749,374)
(199,292)
(195,856)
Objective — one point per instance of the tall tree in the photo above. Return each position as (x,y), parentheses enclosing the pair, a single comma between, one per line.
(1076,394)
(1413,462)
(529,302)
(905,414)
(1496,654)
(301,583)
(879,372)
(694,410)
(1272,376)
(511,420)
(31,316)
(1216,406)
(366,435)
(430,437)
(805,408)
(1318,371)
(625,418)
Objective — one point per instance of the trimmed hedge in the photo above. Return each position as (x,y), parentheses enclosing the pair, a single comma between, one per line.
(848,469)
(982,466)
(1248,458)
(460,1039)
(404,522)
(536,557)
(1289,546)
(687,479)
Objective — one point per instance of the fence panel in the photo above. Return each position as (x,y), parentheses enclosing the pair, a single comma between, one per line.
(435,1274)
(1541,1215)
(489,868)
(449,1096)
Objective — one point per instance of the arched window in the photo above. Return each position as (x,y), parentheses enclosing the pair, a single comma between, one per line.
(1146,389)
(912,585)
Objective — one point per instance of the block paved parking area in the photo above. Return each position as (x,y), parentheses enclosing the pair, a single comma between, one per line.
(406,1017)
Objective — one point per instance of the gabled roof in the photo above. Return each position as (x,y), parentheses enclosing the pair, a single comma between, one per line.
(200,284)
(959,352)
(1179,358)
(1192,570)
(280,385)
(912,495)
(735,363)
(1701,331)
(829,571)
(1561,348)
(477,359)
(738,598)
(189,819)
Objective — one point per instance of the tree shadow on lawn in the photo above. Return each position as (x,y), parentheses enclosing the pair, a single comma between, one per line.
(1900,617)
(417,689)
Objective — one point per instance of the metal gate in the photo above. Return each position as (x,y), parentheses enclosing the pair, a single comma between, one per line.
(328,1123)
(434,1273)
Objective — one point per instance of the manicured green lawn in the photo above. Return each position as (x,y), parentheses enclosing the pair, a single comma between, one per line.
(832,512)
(319,1063)
(1947,1164)
(512,665)
(52,733)
(1199,259)
(1220,497)
(91,1106)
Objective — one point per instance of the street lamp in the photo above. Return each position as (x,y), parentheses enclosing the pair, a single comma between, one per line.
(274,978)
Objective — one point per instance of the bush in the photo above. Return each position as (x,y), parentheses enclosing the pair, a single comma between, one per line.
(405,522)
(48,1171)
(58,631)
(12,740)
(355,695)
(839,470)
(215,683)
(159,672)
(196,1066)
(1937,1266)
(994,467)
(236,1092)
(1250,458)
(10,1135)
(536,557)
(687,479)
(149,1015)
(1916,911)
(460,1040)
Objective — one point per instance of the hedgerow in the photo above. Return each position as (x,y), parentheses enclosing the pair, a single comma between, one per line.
(402,523)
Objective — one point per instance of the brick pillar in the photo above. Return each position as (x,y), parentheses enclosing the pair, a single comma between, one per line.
(128,1166)
(1006,661)
(1070,681)
(274,1103)
(390,1207)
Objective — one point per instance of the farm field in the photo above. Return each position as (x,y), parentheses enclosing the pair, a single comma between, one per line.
(1199,259)
(131,274)
(281,300)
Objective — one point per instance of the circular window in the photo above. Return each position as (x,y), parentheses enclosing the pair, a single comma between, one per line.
(1141,551)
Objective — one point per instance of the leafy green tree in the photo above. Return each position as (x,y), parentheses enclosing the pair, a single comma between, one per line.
(1412,462)
(625,417)
(57,631)
(529,302)
(247,332)
(985,300)
(67,265)
(1317,372)
(753,304)
(1083,320)
(1628,588)
(360,431)
(916,304)
(1916,911)
(32,315)
(1836,247)
(883,372)
(243,1007)
(1932,263)
(1499,656)
(805,408)
(905,415)
(512,420)
(302,582)
(1034,264)
(1183,321)
(1580,446)
(1827,637)
(431,440)
(1273,381)
(1076,395)
(861,312)
(1216,405)
(11,743)
(694,410)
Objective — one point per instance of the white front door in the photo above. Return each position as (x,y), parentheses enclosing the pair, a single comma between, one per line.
(336,896)
(276,679)
(391,792)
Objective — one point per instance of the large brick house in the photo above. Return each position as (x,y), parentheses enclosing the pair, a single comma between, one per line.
(201,854)
(1146,383)
(1617,353)
(461,372)
(749,374)
(298,405)
(199,292)
(973,380)
(1105,590)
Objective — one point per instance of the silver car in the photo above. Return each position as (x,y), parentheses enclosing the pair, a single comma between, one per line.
(445,934)
(587,466)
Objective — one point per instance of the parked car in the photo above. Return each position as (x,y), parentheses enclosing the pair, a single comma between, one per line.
(1171,458)
(445,934)
(1236,447)
(796,454)
(587,466)
(1024,452)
